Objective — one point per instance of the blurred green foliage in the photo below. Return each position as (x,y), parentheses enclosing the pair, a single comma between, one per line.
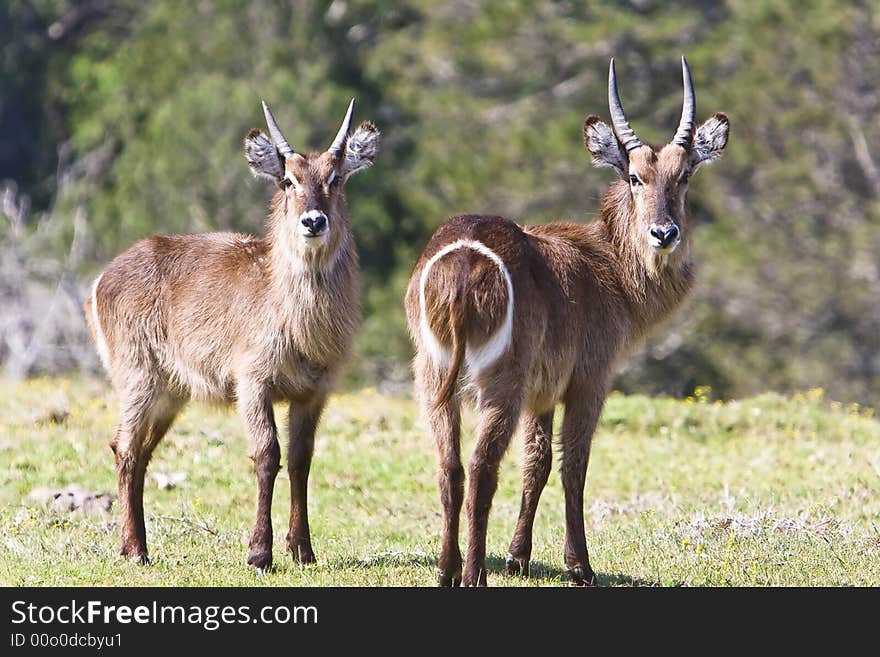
(135,111)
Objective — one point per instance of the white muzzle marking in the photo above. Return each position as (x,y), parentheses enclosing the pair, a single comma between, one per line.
(311,237)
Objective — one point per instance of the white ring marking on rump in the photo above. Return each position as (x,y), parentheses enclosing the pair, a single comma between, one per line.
(479,357)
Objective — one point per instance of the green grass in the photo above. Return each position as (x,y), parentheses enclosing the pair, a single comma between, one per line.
(765,491)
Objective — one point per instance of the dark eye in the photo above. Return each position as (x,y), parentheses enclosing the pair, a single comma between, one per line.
(285,183)
(633,180)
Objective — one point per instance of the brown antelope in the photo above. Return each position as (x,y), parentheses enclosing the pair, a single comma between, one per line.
(229,318)
(538,316)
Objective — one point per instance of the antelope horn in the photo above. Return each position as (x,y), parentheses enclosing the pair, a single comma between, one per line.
(275,132)
(342,136)
(624,133)
(685,134)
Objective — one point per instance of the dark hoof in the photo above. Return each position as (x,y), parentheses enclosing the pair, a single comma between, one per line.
(516,566)
(478,583)
(260,559)
(303,555)
(448,581)
(475,580)
(138,555)
(581,576)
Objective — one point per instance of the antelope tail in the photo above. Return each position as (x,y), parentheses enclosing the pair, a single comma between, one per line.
(457,318)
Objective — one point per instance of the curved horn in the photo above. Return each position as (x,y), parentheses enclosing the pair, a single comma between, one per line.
(342,136)
(624,133)
(685,134)
(275,132)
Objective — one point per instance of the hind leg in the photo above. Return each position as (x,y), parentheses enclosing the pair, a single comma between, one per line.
(499,413)
(445,426)
(145,417)
(537,460)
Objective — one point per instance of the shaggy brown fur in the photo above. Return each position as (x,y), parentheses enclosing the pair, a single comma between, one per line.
(229,318)
(582,296)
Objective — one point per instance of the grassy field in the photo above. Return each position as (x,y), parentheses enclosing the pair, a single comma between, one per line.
(765,491)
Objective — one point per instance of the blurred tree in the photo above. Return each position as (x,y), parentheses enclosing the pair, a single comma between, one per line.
(789,250)
(481,106)
(36,37)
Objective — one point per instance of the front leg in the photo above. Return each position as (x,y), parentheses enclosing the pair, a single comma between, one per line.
(255,407)
(301,422)
(581,416)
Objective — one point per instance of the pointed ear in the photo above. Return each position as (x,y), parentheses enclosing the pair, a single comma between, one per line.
(361,150)
(263,157)
(709,140)
(604,147)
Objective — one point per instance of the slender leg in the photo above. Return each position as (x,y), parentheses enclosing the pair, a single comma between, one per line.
(578,425)
(127,446)
(162,416)
(445,427)
(537,460)
(145,418)
(301,422)
(498,418)
(255,407)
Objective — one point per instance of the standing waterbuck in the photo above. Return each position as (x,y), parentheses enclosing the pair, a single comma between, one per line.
(229,318)
(537,316)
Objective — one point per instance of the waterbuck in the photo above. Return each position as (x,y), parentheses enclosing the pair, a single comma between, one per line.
(230,318)
(537,316)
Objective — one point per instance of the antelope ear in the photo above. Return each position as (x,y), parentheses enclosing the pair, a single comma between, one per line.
(361,149)
(709,140)
(262,156)
(604,147)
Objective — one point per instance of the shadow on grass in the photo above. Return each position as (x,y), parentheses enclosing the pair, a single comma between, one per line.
(386,559)
(622,579)
(495,564)
(540,570)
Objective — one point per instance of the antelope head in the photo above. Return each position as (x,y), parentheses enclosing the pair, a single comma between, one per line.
(657,177)
(312,184)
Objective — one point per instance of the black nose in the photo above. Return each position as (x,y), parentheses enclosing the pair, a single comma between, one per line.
(666,235)
(315,224)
